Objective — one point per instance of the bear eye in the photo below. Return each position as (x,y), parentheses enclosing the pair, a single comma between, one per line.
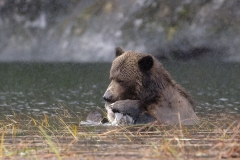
(119,81)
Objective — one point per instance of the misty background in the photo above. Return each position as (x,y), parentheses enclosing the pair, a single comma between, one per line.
(89,30)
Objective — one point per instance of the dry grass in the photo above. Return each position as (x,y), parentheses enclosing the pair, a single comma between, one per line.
(61,137)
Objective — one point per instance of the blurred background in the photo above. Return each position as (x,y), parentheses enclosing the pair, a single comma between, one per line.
(89,30)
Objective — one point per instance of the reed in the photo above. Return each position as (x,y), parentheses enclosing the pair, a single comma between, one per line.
(61,137)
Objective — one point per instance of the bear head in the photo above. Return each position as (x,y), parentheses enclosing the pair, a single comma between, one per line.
(134,76)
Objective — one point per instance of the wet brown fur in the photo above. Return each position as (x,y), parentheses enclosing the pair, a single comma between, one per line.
(154,87)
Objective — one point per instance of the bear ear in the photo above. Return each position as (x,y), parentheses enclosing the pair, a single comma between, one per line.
(145,63)
(119,51)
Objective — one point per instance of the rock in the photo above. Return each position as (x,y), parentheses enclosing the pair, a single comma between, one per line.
(96,117)
(52,30)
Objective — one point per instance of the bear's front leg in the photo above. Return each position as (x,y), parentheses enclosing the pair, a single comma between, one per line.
(127,107)
(133,109)
(115,116)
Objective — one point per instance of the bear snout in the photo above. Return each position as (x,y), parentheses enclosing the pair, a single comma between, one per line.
(107,97)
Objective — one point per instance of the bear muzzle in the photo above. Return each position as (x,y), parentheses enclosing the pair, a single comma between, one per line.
(110,95)
(107,97)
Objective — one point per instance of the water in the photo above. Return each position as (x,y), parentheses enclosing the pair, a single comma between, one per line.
(37,88)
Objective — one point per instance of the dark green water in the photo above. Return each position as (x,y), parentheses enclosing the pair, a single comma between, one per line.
(36,88)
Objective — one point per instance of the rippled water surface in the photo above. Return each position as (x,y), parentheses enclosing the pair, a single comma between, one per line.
(37,88)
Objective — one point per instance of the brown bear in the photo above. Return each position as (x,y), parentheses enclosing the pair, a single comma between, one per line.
(141,88)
